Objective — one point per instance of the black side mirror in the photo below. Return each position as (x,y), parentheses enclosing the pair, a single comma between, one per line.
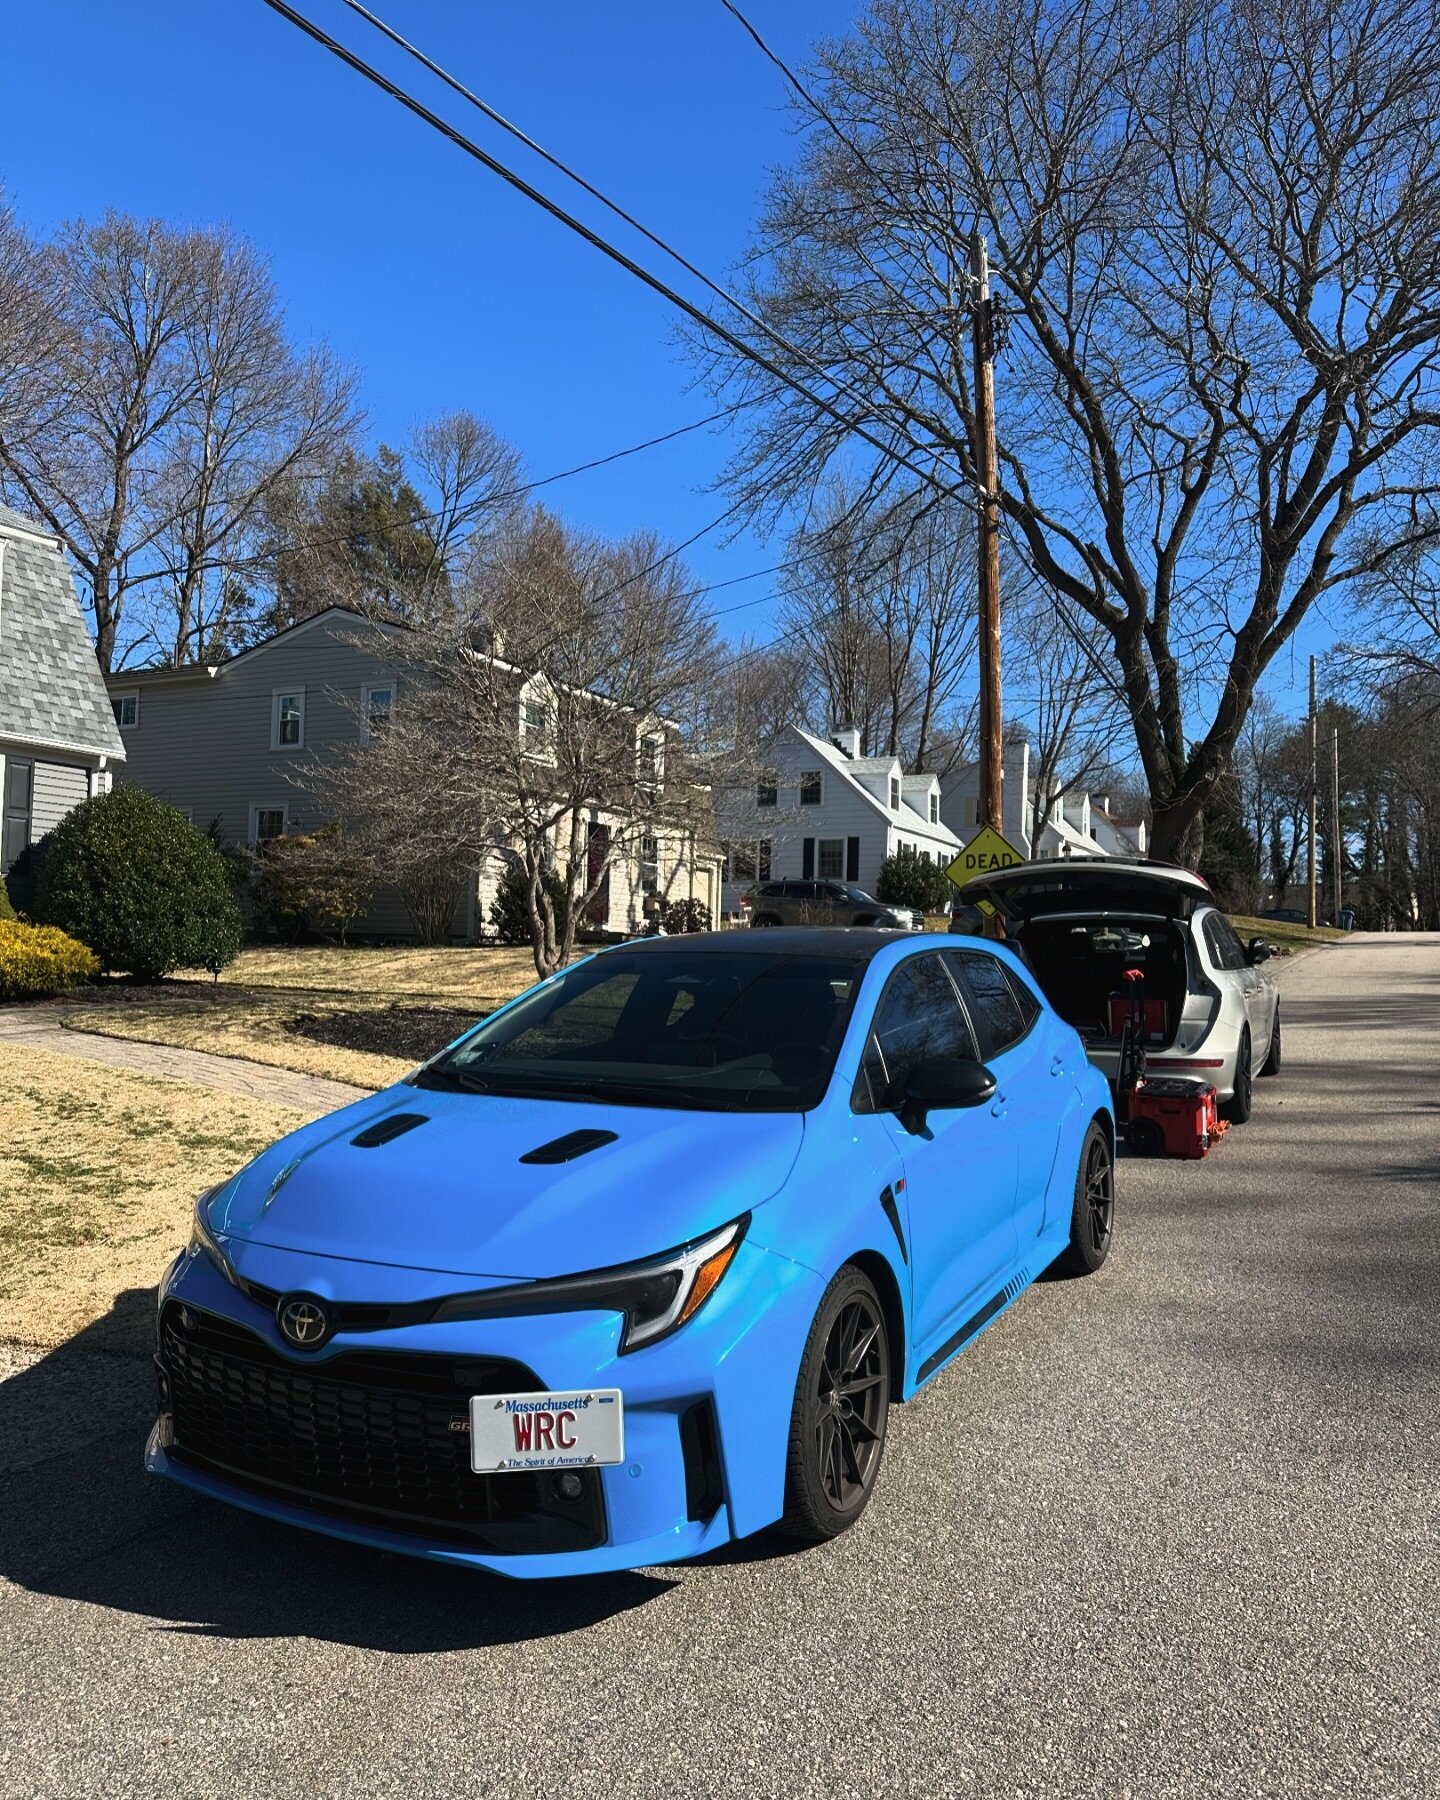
(1258,951)
(943,1084)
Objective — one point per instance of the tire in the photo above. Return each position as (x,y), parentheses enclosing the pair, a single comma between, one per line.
(1271,1064)
(1145,1137)
(763,919)
(837,1429)
(1237,1107)
(1092,1223)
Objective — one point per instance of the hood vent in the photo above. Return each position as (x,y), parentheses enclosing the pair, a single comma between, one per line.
(566,1149)
(383,1130)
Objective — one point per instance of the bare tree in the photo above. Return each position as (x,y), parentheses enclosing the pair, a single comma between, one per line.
(165,407)
(1217,257)
(536,715)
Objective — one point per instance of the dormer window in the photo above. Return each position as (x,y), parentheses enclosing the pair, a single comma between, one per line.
(934,809)
(894,793)
(534,726)
(651,759)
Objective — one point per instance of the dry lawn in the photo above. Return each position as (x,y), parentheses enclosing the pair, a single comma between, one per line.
(359,1015)
(99,1169)
(254,1026)
(478,980)
(1284,934)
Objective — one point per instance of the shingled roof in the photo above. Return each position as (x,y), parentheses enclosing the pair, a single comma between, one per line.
(52,695)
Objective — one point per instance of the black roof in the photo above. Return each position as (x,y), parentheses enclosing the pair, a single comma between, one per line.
(852,943)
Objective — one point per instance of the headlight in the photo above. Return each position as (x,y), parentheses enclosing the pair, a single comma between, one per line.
(203,1241)
(656,1297)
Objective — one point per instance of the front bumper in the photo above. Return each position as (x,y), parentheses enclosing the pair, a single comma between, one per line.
(706,1417)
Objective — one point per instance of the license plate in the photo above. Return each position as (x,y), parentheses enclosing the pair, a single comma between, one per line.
(513,1432)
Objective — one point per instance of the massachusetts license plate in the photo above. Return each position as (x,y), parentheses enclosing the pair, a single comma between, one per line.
(577,1430)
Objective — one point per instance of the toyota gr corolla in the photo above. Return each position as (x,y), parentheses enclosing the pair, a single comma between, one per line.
(639,1264)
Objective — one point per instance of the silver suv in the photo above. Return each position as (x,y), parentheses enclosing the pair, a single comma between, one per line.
(825,903)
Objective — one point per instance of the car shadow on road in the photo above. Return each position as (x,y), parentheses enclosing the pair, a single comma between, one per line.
(80,1520)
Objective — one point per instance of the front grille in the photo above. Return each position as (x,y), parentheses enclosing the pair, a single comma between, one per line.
(377,1437)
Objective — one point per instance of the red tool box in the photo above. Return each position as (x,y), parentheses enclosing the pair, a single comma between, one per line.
(1155,1020)
(1168,1115)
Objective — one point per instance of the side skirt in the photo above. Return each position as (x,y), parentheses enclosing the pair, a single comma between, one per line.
(1045,1251)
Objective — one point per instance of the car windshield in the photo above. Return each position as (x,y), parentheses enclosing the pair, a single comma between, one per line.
(713,1030)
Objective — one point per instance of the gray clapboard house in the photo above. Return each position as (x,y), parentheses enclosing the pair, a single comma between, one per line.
(58,740)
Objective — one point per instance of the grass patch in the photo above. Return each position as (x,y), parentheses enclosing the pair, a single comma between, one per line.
(1284,934)
(86,1218)
(357,1015)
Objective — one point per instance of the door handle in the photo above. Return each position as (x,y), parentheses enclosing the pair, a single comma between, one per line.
(1057,1065)
(998,1108)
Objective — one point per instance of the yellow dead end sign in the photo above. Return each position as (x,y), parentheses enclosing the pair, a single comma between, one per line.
(986,852)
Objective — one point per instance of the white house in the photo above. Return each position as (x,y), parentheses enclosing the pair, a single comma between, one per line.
(825,811)
(1076,824)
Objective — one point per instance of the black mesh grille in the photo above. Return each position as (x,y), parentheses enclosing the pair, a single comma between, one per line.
(381,1437)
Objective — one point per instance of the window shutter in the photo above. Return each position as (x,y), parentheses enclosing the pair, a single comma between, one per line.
(807,859)
(852,859)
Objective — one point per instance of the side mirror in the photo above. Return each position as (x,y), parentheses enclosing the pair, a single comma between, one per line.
(1258,951)
(943,1084)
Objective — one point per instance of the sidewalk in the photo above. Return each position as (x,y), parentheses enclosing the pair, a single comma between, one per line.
(42,1029)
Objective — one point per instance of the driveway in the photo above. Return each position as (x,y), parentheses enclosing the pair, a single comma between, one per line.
(1170,1531)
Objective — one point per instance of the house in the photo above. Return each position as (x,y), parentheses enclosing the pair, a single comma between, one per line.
(58,741)
(1075,825)
(825,811)
(228,744)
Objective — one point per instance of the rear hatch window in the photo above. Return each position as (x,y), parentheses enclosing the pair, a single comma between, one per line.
(1034,892)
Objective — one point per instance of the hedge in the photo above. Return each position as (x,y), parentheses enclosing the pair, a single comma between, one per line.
(36,960)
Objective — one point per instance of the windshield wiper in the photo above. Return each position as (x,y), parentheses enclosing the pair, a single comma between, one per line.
(443,1075)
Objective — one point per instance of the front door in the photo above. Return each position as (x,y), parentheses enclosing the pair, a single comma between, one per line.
(598,851)
(960,1171)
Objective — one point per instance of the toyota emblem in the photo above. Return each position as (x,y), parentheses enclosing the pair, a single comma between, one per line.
(302,1322)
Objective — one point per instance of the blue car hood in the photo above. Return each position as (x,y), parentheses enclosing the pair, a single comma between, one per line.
(452,1194)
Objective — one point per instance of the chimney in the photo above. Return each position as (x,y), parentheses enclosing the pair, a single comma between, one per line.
(846,740)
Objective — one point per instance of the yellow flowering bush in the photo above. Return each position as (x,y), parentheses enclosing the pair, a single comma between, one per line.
(40,959)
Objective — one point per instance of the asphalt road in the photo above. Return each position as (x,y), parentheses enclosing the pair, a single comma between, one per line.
(1169,1531)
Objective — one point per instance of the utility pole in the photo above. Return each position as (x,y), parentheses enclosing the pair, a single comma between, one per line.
(989,535)
(1314,782)
(1336,844)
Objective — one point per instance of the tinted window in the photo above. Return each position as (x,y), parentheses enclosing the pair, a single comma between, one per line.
(1226,951)
(919,1016)
(1025,999)
(993,1006)
(724,1031)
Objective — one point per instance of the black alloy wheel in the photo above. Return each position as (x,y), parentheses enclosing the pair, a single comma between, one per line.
(1092,1223)
(842,1398)
(1237,1107)
(1271,1064)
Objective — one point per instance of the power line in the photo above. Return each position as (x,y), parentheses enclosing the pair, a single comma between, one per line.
(676,299)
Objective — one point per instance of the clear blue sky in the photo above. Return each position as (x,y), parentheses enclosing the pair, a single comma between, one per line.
(444,288)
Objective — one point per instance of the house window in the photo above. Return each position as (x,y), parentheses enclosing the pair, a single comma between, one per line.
(894,793)
(287,721)
(19,805)
(126,708)
(534,727)
(266,822)
(762,860)
(809,787)
(766,794)
(378,703)
(651,759)
(934,809)
(832,859)
(649,865)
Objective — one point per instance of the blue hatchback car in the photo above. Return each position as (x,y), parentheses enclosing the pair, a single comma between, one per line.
(639,1264)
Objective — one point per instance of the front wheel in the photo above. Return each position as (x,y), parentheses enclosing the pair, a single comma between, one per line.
(1237,1107)
(1092,1223)
(837,1426)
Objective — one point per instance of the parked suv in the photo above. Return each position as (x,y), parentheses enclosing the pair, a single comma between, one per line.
(1211,1009)
(826,903)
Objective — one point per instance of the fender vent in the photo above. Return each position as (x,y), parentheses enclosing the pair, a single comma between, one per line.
(566,1149)
(383,1130)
